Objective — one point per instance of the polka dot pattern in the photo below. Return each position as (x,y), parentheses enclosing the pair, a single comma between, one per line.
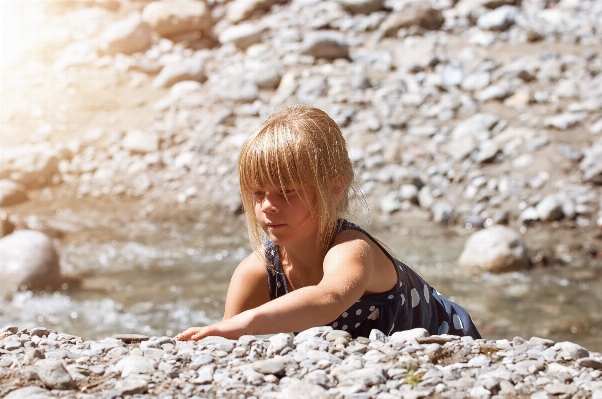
(415,297)
(388,311)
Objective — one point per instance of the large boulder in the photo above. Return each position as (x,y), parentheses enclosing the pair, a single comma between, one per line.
(169,18)
(497,249)
(31,166)
(128,36)
(28,258)
(413,14)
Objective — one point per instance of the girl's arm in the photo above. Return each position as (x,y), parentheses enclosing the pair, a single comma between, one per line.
(347,267)
(248,289)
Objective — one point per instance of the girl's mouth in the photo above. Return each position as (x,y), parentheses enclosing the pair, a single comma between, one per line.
(275,225)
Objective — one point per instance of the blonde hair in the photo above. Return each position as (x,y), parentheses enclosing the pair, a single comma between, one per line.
(297,145)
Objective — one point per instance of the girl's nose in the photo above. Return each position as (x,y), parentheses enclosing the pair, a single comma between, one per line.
(267,205)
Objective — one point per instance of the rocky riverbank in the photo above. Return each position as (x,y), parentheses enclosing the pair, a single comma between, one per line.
(317,363)
(473,113)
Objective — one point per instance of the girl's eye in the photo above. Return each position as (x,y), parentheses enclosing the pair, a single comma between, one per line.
(258,193)
(288,191)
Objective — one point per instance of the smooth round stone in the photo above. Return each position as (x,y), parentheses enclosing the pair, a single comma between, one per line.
(131,338)
(269,366)
(589,362)
(334,334)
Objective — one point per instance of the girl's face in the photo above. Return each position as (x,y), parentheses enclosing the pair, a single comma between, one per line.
(285,214)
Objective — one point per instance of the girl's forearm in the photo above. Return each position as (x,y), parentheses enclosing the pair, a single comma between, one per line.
(297,311)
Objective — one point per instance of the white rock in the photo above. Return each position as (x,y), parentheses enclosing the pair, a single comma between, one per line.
(128,36)
(499,19)
(134,364)
(401,337)
(243,35)
(549,208)
(169,18)
(138,141)
(497,249)
(28,258)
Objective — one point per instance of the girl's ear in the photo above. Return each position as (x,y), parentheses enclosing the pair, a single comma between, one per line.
(338,189)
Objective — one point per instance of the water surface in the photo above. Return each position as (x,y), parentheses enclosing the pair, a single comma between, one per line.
(157,270)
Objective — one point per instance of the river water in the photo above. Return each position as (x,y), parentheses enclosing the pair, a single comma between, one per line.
(157,269)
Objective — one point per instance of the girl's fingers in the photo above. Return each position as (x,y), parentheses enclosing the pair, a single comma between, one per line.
(187,334)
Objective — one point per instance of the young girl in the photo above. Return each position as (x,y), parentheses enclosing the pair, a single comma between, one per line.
(309,267)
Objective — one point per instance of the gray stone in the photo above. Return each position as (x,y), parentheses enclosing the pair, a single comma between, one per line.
(478,125)
(30,393)
(128,36)
(325,44)
(12,193)
(131,387)
(591,164)
(590,363)
(497,249)
(476,81)
(243,35)
(54,375)
(205,375)
(239,90)
(522,161)
(134,364)
(560,389)
(415,54)
(486,151)
(192,68)
(269,366)
(362,6)
(549,208)
(499,92)
(401,337)
(499,19)
(278,343)
(177,16)
(28,259)
(265,74)
(563,121)
(390,202)
(130,338)
(443,212)
(335,334)
(528,215)
(301,390)
(408,192)
(137,141)
(9,329)
(419,13)
(596,127)
(574,350)
(364,376)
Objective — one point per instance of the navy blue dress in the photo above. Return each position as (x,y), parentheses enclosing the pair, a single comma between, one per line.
(412,303)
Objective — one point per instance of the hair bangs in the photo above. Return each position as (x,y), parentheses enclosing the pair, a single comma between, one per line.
(271,158)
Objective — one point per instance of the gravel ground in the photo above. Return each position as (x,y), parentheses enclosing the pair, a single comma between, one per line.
(317,363)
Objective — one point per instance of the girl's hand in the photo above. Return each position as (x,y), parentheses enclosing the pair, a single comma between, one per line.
(232,328)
